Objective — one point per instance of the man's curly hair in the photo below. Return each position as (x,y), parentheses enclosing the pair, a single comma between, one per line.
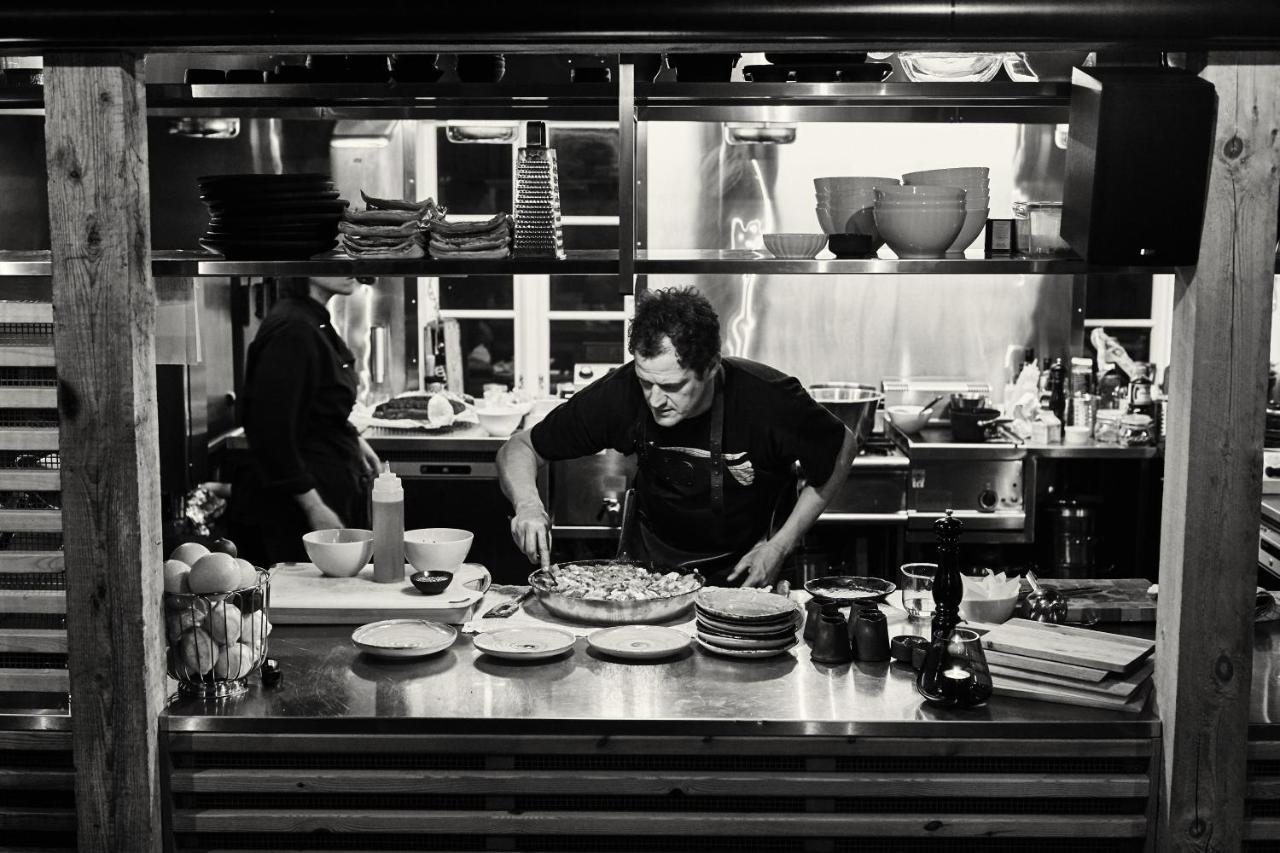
(686,317)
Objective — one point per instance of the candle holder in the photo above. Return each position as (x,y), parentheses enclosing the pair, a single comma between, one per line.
(955,673)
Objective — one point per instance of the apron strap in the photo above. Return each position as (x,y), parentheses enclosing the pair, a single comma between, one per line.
(716,444)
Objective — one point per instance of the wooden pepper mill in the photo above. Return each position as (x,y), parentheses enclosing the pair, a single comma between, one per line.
(948,589)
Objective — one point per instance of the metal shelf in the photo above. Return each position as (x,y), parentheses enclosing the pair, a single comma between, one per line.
(1024,103)
(194,262)
(737,262)
(566,102)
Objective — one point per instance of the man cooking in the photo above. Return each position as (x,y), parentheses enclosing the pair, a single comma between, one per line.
(716,440)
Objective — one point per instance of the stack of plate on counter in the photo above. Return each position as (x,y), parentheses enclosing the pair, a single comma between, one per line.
(270,217)
(746,623)
(1069,665)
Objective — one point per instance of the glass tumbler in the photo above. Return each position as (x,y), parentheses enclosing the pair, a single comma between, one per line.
(917,589)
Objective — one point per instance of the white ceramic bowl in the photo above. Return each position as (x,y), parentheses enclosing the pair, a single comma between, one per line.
(990,610)
(964,174)
(501,420)
(794,246)
(909,419)
(1076,435)
(339,552)
(437,549)
(921,204)
(974,222)
(919,233)
(920,192)
(852,183)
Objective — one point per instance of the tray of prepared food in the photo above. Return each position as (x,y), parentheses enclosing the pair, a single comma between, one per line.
(419,410)
(615,592)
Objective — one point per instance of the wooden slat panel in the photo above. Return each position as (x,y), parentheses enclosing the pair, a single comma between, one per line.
(34,680)
(28,398)
(1264,788)
(29,480)
(19,438)
(36,641)
(33,601)
(1262,829)
(630,745)
(26,356)
(1264,750)
(36,739)
(658,784)
(49,820)
(31,520)
(659,823)
(25,312)
(37,780)
(25,562)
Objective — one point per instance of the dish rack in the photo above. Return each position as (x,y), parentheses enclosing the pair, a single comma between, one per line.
(539,233)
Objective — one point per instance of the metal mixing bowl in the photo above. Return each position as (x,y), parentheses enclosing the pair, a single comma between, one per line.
(850,402)
(598,612)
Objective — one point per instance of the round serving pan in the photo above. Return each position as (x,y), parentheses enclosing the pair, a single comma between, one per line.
(598,612)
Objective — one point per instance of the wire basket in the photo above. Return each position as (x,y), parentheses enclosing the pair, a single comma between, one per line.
(217,640)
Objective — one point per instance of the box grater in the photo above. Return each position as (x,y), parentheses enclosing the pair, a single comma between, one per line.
(538,230)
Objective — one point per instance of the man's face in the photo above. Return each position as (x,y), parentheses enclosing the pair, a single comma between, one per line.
(673,393)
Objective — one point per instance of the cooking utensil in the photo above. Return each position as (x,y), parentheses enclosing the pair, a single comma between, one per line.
(850,402)
(507,608)
(970,427)
(600,612)
(967,401)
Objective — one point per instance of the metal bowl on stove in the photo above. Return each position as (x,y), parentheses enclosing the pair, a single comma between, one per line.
(851,402)
(599,612)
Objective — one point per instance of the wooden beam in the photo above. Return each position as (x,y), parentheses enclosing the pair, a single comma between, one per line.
(104,324)
(1213,468)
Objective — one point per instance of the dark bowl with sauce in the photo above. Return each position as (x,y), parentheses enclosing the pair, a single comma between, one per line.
(432,583)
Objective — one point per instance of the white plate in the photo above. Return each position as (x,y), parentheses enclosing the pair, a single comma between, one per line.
(642,642)
(743,653)
(524,643)
(735,643)
(403,638)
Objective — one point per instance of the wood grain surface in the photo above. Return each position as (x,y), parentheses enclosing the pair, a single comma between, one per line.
(1048,667)
(1117,686)
(1213,468)
(104,328)
(1068,644)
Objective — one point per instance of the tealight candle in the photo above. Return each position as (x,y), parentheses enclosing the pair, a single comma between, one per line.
(956,683)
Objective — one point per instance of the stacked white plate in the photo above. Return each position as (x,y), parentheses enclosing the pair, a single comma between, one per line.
(976,183)
(745,623)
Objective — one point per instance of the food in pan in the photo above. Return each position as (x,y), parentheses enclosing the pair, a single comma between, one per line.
(419,407)
(606,581)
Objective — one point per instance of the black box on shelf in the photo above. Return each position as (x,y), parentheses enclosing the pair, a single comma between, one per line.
(1138,158)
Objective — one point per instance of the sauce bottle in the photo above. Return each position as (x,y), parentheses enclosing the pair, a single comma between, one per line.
(388,528)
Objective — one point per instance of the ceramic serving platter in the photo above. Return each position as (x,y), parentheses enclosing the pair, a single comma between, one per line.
(639,642)
(737,604)
(743,653)
(720,629)
(846,589)
(403,638)
(524,643)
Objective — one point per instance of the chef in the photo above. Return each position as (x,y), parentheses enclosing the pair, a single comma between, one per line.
(716,440)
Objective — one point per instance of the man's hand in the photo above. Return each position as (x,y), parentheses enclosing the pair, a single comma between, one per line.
(369,460)
(531,531)
(762,564)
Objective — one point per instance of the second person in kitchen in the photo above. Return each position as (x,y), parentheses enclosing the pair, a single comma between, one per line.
(716,440)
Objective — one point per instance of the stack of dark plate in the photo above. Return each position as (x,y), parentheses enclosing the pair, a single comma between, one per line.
(745,623)
(270,217)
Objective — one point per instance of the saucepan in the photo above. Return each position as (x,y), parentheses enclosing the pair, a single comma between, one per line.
(968,401)
(970,427)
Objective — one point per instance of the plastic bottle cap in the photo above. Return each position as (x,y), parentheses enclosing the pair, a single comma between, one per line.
(387,485)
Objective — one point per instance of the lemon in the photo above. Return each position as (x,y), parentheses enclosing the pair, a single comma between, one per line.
(198,651)
(255,628)
(189,552)
(175,576)
(248,574)
(235,660)
(224,622)
(214,573)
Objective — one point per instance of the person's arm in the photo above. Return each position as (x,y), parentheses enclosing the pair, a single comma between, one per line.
(519,464)
(763,563)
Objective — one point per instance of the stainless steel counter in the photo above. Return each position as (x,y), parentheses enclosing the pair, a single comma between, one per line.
(934,442)
(329,686)
(465,439)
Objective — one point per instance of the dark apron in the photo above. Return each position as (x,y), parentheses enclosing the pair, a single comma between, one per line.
(678,473)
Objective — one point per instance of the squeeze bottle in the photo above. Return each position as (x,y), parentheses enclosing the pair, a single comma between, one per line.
(388,528)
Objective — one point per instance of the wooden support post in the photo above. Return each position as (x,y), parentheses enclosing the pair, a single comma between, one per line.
(104,326)
(1208,551)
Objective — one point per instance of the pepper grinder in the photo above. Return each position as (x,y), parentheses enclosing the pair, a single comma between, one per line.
(948,589)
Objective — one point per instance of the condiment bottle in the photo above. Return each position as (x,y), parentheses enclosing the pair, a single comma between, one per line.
(1056,388)
(1141,401)
(388,528)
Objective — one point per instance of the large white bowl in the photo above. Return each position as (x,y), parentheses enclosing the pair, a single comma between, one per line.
(974,222)
(339,552)
(437,549)
(794,246)
(920,192)
(919,233)
(909,419)
(852,183)
(944,177)
(501,420)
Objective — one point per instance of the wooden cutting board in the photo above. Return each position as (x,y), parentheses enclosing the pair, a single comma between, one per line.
(1044,693)
(1049,667)
(1068,644)
(301,595)
(1112,599)
(1115,686)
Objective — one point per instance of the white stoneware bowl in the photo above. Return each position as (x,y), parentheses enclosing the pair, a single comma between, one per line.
(437,549)
(794,246)
(919,233)
(974,222)
(340,552)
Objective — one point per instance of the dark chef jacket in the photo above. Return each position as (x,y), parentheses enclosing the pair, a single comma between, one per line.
(770,422)
(300,385)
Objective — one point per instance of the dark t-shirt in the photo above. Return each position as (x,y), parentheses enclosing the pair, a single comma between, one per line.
(770,423)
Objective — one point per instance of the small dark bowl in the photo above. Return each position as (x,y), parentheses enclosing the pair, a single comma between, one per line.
(767,73)
(431,584)
(850,245)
